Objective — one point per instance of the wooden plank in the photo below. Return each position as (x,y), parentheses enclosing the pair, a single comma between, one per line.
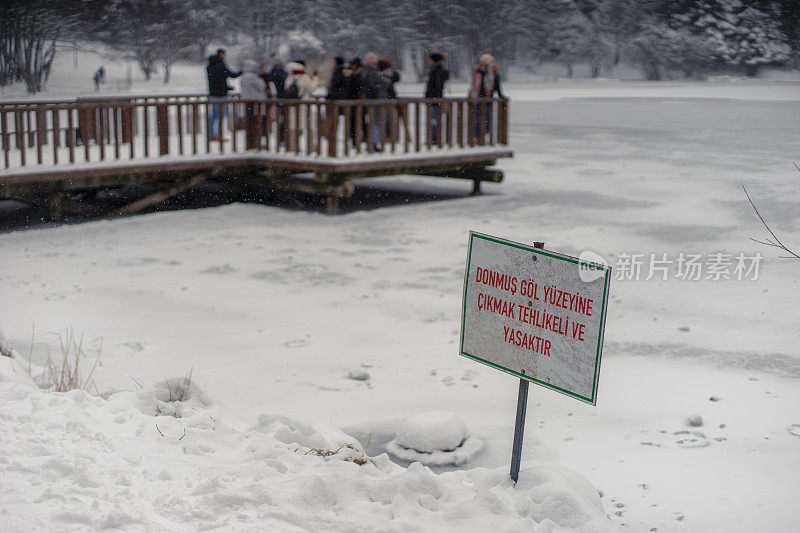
(179,124)
(383,120)
(146,130)
(56,127)
(493,116)
(41,132)
(208,127)
(72,135)
(310,137)
(348,125)
(116,126)
(162,195)
(18,128)
(332,112)
(162,123)
(101,139)
(130,129)
(195,126)
(460,123)
(250,126)
(449,131)
(359,111)
(502,133)
(321,131)
(127,124)
(406,128)
(417,140)
(6,139)
(470,124)
(370,130)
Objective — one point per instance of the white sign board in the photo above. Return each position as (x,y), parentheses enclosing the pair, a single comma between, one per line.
(536,314)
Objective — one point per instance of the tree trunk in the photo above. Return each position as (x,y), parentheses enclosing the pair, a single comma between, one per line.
(751,70)
(569,70)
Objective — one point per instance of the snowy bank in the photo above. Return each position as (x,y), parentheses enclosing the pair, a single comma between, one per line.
(77,461)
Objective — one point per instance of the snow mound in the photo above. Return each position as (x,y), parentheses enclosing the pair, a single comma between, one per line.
(457,457)
(177,396)
(13,371)
(433,431)
(79,461)
(434,438)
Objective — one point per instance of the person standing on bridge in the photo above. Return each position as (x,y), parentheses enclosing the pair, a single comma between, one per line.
(374,88)
(485,83)
(437,77)
(218,74)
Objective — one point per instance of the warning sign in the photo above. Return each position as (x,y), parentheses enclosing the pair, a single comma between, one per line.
(536,314)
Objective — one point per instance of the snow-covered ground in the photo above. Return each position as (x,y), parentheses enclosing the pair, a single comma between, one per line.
(280,312)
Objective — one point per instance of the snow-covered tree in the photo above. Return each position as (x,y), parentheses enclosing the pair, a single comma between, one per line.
(737,33)
(149,32)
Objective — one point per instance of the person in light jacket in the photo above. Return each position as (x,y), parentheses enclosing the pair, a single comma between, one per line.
(298,76)
(253,86)
(485,84)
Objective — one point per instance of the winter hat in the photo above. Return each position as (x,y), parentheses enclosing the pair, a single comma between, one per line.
(486,59)
(384,63)
(436,57)
(355,62)
(295,68)
(339,60)
(371,59)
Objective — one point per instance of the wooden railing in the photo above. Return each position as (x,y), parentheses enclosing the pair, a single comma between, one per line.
(40,134)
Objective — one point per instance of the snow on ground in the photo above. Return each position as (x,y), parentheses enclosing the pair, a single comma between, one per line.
(274,310)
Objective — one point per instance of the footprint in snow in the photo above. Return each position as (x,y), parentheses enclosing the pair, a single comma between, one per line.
(691,439)
(297,343)
(794,429)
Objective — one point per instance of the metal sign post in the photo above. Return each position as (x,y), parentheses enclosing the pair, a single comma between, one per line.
(519,427)
(536,314)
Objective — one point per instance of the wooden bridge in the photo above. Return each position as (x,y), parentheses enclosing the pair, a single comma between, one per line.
(52,151)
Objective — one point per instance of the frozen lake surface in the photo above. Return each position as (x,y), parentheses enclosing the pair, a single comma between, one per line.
(272,309)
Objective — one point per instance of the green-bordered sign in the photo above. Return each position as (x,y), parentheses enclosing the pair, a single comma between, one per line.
(536,314)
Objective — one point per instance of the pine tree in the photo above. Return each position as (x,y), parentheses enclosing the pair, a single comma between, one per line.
(736,33)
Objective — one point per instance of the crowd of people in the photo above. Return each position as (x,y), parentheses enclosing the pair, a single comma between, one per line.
(370,78)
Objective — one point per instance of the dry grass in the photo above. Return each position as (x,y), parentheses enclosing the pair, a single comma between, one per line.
(319,452)
(181,392)
(64,373)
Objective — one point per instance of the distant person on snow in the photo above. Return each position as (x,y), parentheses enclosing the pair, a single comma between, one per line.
(485,83)
(218,74)
(99,77)
(437,77)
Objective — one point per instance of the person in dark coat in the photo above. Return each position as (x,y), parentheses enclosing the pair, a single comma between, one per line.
(337,88)
(374,88)
(437,77)
(218,74)
(276,79)
(389,74)
(353,89)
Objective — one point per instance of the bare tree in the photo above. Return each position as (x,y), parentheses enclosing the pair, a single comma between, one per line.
(773,239)
(31,30)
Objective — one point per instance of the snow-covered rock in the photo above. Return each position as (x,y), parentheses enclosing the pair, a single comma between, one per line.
(434,431)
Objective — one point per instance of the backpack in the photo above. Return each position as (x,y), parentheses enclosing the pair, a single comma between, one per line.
(291,91)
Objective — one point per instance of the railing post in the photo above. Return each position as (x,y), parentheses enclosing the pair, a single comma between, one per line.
(502,126)
(162,120)
(250,126)
(332,119)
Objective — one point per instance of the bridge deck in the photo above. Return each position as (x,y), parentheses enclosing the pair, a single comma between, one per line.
(51,147)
